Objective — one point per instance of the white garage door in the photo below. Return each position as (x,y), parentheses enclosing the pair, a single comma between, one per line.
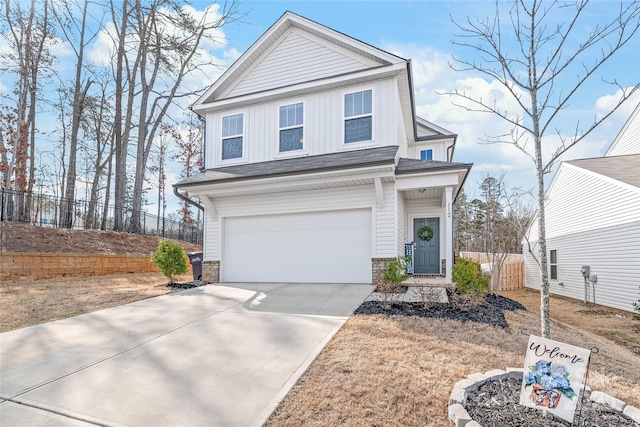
(315,247)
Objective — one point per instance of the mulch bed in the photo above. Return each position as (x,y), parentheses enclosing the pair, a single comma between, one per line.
(490,312)
(496,404)
(186,285)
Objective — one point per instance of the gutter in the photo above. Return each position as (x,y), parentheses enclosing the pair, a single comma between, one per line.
(452,148)
(186,199)
(413,101)
(204,137)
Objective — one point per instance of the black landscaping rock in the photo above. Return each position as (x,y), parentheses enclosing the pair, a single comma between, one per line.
(496,404)
(187,285)
(490,312)
(504,303)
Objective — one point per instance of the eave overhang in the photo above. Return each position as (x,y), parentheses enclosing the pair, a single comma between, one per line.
(355,166)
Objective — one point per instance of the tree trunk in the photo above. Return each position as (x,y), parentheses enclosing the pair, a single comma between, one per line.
(120,183)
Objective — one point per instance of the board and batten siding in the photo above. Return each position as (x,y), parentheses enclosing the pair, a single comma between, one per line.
(298,57)
(439,150)
(591,220)
(323,125)
(330,199)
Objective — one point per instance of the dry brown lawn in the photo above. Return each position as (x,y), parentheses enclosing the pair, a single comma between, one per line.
(29,302)
(399,371)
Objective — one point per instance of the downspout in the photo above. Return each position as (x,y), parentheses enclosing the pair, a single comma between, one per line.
(411,96)
(186,199)
(452,148)
(204,138)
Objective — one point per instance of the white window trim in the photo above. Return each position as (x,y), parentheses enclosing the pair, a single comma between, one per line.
(369,143)
(425,149)
(243,158)
(292,153)
(557,264)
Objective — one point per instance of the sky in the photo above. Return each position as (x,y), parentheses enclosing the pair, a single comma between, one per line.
(423,32)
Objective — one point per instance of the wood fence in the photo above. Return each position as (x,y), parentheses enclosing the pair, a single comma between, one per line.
(512,273)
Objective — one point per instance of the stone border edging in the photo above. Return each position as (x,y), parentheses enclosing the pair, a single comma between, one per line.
(459,416)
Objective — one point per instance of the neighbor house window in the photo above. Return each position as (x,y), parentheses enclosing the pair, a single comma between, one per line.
(426,154)
(291,121)
(232,135)
(358,119)
(553,264)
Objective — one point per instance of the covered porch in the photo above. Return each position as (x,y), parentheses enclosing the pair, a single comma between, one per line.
(426,192)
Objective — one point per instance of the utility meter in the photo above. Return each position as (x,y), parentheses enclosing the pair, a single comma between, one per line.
(585,270)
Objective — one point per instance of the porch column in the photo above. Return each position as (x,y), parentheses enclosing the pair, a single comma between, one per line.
(448,221)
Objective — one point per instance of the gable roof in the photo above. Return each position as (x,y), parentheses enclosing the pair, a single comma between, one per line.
(297,165)
(292,29)
(628,139)
(621,168)
(428,130)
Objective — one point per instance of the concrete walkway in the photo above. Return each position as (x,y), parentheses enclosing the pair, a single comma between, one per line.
(218,355)
(414,294)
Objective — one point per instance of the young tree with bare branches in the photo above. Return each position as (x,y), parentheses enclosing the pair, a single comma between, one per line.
(543,73)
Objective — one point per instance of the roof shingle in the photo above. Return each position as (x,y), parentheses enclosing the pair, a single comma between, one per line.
(621,168)
(298,165)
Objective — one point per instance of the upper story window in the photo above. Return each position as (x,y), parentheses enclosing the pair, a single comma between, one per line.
(553,264)
(291,127)
(358,118)
(232,136)
(426,154)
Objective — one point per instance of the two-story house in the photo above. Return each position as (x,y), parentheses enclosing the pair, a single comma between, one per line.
(317,167)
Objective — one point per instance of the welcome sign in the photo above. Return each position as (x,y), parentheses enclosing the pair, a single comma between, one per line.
(554,373)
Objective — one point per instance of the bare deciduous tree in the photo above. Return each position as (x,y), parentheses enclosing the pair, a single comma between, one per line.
(28,34)
(168,40)
(543,73)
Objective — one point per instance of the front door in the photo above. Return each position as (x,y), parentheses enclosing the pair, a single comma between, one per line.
(426,256)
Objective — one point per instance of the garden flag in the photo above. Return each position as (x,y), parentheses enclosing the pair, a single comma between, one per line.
(554,373)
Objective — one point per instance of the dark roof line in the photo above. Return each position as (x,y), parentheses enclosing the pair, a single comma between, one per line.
(410,166)
(378,156)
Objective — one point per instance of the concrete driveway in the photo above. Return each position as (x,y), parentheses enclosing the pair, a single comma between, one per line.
(218,355)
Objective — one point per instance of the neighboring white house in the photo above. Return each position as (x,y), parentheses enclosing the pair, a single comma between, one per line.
(593,219)
(317,168)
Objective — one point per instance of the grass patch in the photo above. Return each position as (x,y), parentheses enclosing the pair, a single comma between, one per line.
(594,312)
(400,370)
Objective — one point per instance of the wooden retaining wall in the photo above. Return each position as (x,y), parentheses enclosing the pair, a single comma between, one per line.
(26,266)
(512,273)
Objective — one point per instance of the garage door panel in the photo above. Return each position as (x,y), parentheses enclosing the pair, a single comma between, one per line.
(317,247)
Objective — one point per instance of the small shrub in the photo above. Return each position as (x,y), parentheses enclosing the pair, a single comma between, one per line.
(468,278)
(170,259)
(393,274)
(636,307)
(395,271)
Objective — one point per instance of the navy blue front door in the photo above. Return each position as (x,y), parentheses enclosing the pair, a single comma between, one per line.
(426,256)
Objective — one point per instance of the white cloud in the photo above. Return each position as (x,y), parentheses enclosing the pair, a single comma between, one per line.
(432,77)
